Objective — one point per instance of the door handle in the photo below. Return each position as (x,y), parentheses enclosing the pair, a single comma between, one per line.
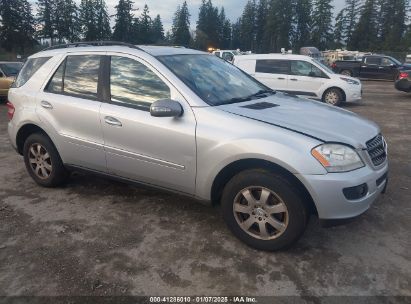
(46,104)
(293,79)
(281,78)
(112,121)
(380,67)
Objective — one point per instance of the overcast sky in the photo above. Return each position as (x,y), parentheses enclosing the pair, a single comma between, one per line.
(166,8)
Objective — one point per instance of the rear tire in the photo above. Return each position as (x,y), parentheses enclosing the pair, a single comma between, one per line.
(346,73)
(264,210)
(43,162)
(333,96)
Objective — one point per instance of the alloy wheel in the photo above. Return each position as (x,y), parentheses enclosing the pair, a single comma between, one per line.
(261,213)
(332,97)
(40,161)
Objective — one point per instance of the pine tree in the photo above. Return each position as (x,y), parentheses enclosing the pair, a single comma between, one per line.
(279,27)
(157,30)
(181,26)
(45,13)
(351,12)
(236,42)
(123,21)
(248,26)
(303,11)
(145,26)
(260,22)
(66,21)
(339,29)
(392,21)
(322,24)
(224,30)
(103,29)
(88,20)
(207,30)
(17,25)
(365,35)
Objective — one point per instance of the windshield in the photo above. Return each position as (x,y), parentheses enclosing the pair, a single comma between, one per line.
(11,68)
(236,53)
(322,65)
(216,81)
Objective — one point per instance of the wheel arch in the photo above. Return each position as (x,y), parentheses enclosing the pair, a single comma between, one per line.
(24,132)
(232,169)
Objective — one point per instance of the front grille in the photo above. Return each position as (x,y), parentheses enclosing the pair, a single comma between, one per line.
(376,150)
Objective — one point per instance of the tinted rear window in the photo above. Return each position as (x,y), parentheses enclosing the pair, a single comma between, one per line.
(272,66)
(77,76)
(29,69)
(11,68)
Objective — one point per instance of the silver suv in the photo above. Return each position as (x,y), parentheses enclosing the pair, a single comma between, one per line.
(186,121)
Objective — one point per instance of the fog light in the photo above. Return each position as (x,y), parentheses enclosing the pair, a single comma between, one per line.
(355,193)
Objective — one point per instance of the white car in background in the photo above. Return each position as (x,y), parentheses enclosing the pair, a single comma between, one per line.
(302,76)
(227,55)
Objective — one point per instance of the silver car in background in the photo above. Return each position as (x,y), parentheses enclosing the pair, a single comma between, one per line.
(186,121)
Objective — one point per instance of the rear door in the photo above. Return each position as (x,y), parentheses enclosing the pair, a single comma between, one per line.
(153,150)
(305,79)
(70,105)
(273,73)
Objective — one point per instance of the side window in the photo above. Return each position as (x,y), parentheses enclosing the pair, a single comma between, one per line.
(77,76)
(30,67)
(56,83)
(273,66)
(386,62)
(228,56)
(304,68)
(131,82)
(373,60)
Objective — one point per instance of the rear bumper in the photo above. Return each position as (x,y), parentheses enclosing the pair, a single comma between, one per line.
(327,192)
(403,85)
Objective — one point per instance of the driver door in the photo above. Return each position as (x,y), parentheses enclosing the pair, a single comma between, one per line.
(152,150)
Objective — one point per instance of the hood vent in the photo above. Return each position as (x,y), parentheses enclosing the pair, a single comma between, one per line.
(260,106)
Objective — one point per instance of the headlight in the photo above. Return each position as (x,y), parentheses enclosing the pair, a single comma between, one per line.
(350,81)
(337,157)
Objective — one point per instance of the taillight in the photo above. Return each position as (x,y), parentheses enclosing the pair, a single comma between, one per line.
(334,65)
(10,110)
(403,75)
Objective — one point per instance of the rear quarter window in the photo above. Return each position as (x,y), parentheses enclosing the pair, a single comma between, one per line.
(31,66)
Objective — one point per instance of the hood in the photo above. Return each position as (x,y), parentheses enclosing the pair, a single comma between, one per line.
(312,118)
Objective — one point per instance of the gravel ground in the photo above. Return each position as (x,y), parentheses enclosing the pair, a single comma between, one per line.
(99,237)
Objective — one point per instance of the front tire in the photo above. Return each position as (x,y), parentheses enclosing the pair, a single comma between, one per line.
(264,210)
(43,162)
(333,97)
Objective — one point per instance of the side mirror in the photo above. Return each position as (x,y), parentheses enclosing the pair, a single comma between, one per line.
(166,108)
(1,75)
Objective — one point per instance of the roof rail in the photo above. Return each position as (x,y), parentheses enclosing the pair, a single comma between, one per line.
(92,43)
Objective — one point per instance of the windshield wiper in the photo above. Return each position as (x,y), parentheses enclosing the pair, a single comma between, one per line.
(248,98)
(261,92)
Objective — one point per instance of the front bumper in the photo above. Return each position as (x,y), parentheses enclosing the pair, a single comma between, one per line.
(353,95)
(327,191)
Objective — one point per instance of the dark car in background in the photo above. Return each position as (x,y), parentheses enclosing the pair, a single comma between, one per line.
(403,83)
(8,72)
(371,67)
